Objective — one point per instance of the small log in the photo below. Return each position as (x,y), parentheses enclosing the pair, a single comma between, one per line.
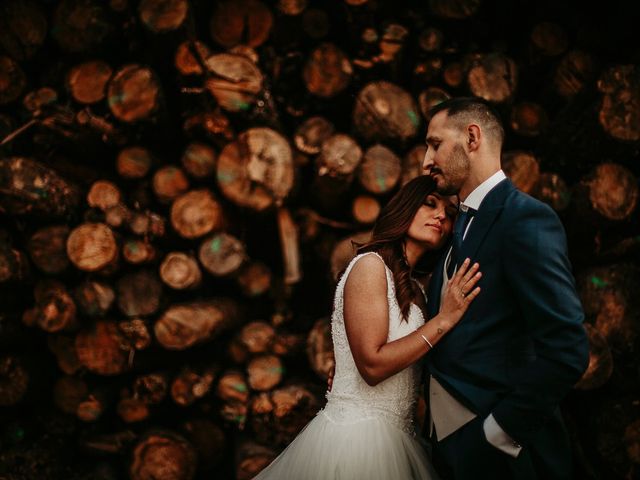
(494,78)
(552,189)
(132,409)
(245,21)
(94,298)
(528,119)
(256,171)
(214,125)
(600,362)
(151,388)
(265,372)
(137,251)
(118,215)
(80,25)
(458,10)
(104,194)
(68,393)
(428,71)
(320,348)
(454,74)
(278,416)
(429,98)
(222,254)
(574,72)
(385,111)
(613,191)
(92,407)
(139,293)
(182,326)
(257,337)
(14,264)
(549,39)
(134,93)
(28,186)
(252,458)
(412,163)
(430,39)
(163,455)
(147,224)
(522,168)
(232,387)
(288,344)
(237,352)
(180,271)
(339,157)
(87,82)
(233,80)
(136,333)
(254,278)
(47,248)
(620,110)
(191,385)
(312,133)
(133,162)
(327,71)
(40,99)
(344,251)
(196,213)
(63,348)
(14,381)
(169,183)
(209,441)
(290,247)
(190,57)
(102,348)
(379,170)
(13,79)
(199,160)
(365,209)
(161,16)
(92,247)
(23,28)
(292,7)
(54,310)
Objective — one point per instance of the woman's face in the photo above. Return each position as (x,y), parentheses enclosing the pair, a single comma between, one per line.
(433,221)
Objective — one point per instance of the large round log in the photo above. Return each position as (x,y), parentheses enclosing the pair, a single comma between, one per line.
(133,162)
(257,336)
(256,170)
(196,213)
(613,191)
(379,170)
(620,110)
(549,39)
(180,271)
(494,78)
(94,298)
(252,458)
(265,372)
(522,168)
(199,160)
(311,134)
(327,71)
(169,182)
(528,119)
(139,293)
(234,81)
(574,72)
(182,326)
(412,163)
(134,93)
(222,254)
(552,189)
(92,247)
(163,455)
(343,251)
(245,21)
(87,82)
(104,194)
(254,278)
(161,16)
(102,348)
(365,209)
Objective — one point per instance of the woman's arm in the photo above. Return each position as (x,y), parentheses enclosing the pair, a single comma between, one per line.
(366,317)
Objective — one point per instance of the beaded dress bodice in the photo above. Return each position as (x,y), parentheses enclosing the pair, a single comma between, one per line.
(351,399)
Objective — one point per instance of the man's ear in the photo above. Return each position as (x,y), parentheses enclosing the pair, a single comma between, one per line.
(474,134)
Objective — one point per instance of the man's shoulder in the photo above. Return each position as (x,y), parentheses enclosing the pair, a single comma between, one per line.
(520,203)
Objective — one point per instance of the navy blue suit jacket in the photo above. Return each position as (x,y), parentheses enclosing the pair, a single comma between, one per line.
(521,345)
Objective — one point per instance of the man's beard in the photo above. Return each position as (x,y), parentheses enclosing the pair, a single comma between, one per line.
(457,172)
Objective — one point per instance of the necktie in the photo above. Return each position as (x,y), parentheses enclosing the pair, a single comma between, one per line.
(462,220)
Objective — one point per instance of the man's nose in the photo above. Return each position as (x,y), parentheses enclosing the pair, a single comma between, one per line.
(427,162)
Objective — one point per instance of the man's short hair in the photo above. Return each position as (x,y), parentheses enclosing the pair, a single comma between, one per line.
(472,109)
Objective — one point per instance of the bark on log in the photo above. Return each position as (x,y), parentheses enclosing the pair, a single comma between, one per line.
(256,171)
(163,455)
(169,183)
(92,247)
(196,213)
(180,271)
(87,82)
(385,111)
(14,380)
(139,293)
(494,78)
(222,254)
(182,326)
(320,348)
(134,93)
(27,186)
(102,348)
(47,248)
(289,244)
(327,71)
(245,21)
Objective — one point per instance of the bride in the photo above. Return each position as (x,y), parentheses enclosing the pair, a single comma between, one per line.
(366,429)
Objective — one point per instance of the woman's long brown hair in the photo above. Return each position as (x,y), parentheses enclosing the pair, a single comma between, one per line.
(389,231)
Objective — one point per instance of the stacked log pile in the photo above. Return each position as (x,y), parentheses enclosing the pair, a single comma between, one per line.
(180,183)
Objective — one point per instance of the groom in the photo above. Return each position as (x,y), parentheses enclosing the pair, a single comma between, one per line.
(495,380)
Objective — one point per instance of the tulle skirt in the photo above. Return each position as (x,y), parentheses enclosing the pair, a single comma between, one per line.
(369,449)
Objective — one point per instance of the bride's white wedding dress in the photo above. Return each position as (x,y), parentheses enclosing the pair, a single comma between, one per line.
(363,432)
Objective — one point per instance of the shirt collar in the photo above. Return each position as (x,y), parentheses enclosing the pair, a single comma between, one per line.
(475,198)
